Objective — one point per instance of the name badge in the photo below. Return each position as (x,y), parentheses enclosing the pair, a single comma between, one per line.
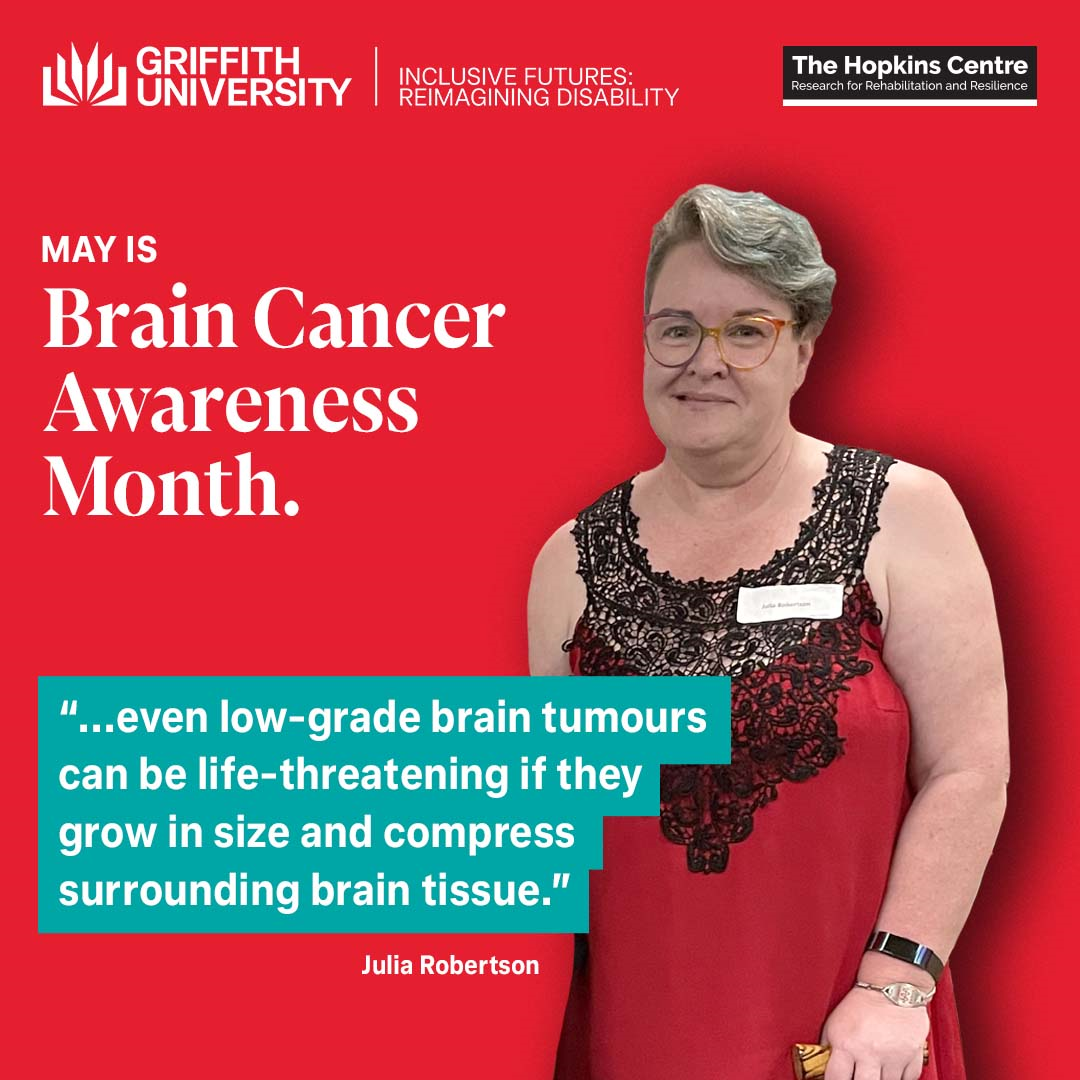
(773,602)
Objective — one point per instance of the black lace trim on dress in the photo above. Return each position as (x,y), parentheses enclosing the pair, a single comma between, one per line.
(786,675)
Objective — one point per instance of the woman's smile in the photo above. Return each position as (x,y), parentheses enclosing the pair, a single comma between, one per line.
(700,399)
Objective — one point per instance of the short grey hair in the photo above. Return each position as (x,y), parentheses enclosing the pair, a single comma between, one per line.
(755,236)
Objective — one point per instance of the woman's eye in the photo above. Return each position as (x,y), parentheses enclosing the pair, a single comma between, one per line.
(676,332)
(746,330)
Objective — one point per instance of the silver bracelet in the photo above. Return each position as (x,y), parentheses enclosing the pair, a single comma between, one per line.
(904,994)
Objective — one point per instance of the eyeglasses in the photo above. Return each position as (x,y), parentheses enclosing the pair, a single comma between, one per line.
(745,341)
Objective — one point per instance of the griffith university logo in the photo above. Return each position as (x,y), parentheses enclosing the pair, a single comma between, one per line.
(92,83)
(194,76)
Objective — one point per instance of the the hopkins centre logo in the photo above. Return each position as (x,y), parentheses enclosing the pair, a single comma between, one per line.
(190,76)
(93,83)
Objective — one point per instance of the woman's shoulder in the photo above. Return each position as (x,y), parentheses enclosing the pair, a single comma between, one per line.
(910,519)
(910,494)
(923,533)
(565,552)
(916,498)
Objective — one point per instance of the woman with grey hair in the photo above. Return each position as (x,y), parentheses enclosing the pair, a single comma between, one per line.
(812,890)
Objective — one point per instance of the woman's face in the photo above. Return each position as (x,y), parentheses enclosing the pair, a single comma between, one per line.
(705,405)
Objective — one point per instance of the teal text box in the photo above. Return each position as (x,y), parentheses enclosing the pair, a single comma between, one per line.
(262,764)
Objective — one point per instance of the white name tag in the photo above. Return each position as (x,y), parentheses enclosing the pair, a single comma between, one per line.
(772,602)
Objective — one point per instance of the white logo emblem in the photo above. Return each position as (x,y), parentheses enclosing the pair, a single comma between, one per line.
(84,84)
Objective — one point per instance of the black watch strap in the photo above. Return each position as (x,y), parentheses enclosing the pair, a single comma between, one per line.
(902,948)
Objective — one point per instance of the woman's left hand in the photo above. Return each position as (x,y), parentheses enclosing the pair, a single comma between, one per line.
(873,1039)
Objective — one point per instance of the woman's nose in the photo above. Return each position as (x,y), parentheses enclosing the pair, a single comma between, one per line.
(709,360)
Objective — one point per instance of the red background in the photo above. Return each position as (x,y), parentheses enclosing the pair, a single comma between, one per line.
(950,347)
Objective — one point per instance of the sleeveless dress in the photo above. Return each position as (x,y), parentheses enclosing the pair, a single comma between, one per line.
(727,930)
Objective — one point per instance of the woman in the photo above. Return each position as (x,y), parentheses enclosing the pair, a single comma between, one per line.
(811,890)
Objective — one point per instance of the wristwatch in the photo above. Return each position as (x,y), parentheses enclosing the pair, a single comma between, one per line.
(904,994)
(902,948)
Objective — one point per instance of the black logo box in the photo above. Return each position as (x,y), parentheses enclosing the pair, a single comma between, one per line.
(917,87)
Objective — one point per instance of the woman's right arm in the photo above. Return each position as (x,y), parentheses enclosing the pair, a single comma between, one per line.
(556,601)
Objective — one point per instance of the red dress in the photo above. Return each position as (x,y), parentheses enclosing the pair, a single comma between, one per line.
(728,929)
